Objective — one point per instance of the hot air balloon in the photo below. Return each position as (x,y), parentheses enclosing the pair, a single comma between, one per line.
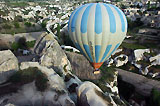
(97,30)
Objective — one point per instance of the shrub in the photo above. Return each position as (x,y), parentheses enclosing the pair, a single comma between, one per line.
(31,44)
(16,25)
(28,24)
(28,75)
(7,26)
(43,24)
(14,46)
(22,43)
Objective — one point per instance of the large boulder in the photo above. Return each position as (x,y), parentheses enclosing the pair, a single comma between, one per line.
(54,56)
(55,80)
(4,45)
(8,65)
(91,95)
(51,54)
(81,66)
(59,82)
(142,84)
(55,95)
(29,96)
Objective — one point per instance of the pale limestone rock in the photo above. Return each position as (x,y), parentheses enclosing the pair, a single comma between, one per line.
(8,65)
(139,53)
(121,62)
(55,80)
(91,95)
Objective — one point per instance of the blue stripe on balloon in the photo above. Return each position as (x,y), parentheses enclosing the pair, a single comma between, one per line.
(112,19)
(113,50)
(74,19)
(79,48)
(106,52)
(98,19)
(86,47)
(84,20)
(70,17)
(121,17)
(97,52)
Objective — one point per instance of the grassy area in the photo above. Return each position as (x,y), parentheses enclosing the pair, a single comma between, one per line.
(132,46)
(28,75)
(129,67)
(19,27)
(17,4)
(151,45)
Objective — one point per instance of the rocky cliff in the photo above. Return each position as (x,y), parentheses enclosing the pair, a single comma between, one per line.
(49,79)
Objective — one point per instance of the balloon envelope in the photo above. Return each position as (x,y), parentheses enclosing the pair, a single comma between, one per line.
(97,30)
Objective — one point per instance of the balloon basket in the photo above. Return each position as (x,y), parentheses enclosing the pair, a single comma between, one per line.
(96,71)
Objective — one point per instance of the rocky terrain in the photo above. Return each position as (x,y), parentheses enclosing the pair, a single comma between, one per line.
(49,80)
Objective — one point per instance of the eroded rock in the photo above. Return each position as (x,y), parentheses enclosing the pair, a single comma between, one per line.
(81,66)
(91,95)
(8,65)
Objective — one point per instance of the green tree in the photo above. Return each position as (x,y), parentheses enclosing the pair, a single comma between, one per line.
(149,4)
(43,24)
(28,24)
(22,43)
(16,25)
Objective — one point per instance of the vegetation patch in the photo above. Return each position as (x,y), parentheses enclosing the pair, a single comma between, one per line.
(155,97)
(132,46)
(151,54)
(28,24)
(28,75)
(22,44)
(107,76)
(129,67)
(143,62)
(30,44)
(17,4)
(16,25)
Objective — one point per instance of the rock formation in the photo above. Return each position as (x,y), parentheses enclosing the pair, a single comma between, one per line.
(8,65)
(81,66)
(65,88)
